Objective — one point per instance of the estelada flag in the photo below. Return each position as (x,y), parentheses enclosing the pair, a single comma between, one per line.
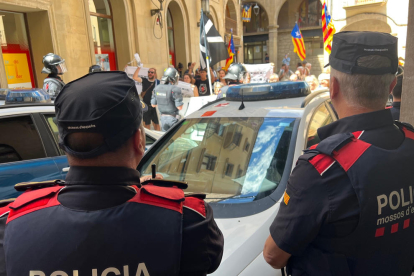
(298,43)
(231,50)
(327,28)
(247,13)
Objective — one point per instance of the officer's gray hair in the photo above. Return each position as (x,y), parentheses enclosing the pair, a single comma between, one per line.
(367,91)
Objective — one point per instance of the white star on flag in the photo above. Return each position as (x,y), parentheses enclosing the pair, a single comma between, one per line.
(297,34)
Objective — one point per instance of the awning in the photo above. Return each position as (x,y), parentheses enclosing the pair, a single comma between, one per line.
(312,33)
(255,38)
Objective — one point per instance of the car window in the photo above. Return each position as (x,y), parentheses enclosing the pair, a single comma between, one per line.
(149,140)
(232,160)
(320,118)
(19,140)
(51,121)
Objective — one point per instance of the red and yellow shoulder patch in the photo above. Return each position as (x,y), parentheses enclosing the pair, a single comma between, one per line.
(286,198)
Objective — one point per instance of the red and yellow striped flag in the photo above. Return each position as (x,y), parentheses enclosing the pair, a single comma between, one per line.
(231,50)
(327,28)
(298,43)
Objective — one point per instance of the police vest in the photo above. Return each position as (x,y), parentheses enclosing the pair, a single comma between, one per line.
(383,180)
(165,100)
(139,237)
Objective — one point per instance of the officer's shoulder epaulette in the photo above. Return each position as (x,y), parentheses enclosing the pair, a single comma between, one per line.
(5,202)
(171,193)
(24,186)
(4,206)
(200,196)
(166,183)
(406,128)
(195,203)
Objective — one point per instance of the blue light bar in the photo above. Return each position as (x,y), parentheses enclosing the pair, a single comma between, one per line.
(268,91)
(22,96)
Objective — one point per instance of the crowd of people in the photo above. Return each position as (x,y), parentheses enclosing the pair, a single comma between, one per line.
(343,211)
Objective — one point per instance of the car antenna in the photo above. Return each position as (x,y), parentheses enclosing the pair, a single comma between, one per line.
(153,170)
(241,107)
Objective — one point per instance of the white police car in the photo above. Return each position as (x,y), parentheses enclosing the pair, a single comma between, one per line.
(29,146)
(241,158)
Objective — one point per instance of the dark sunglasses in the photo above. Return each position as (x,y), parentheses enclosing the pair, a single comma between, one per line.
(152,72)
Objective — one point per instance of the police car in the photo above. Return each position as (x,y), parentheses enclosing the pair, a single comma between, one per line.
(240,150)
(29,146)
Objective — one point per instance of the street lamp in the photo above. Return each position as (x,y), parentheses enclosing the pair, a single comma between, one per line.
(205,5)
(256,10)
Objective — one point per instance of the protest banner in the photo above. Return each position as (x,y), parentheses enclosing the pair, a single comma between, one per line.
(195,103)
(186,89)
(143,73)
(259,73)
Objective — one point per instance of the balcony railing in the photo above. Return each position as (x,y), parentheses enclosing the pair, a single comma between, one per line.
(231,24)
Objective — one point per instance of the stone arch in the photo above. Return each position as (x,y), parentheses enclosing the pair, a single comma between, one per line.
(179,33)
(230,9)
(384,23)
(235,14)
(264,16)
(214,18)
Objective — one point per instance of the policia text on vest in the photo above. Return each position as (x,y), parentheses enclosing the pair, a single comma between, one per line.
(124,271)
(396,201)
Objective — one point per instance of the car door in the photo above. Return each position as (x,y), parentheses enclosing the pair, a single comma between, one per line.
(322,116)
(49,119)
(23,155)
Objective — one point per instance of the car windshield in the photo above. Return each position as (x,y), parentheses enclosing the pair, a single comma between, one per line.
(232,160)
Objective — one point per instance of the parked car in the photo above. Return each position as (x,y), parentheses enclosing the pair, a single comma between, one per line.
(240,151)
(29,146)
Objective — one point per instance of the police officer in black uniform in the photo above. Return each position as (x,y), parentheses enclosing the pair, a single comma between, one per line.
(54,66)
(169,99)
(102,220)
(348,205)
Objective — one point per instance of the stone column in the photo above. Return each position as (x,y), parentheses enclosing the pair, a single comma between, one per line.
(3,75)
(407,98)
(272,49)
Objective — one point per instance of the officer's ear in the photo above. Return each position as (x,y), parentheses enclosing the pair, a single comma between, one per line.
(334,87)
(139,141)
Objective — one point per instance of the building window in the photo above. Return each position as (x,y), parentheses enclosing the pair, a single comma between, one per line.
(246,146)
(171,48)
(15,50)
(254,52)
(239,172)
(103,35)
(208,162)
(228,169)
(314,45)
(310,13)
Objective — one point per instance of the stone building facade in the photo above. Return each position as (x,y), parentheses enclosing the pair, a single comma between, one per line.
(108,32)
(388,16)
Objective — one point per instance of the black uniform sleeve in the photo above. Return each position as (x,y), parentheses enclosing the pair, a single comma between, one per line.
(304,210)
(2,255)
(202,243)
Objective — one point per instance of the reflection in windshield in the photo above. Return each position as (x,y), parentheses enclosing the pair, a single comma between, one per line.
(232,160)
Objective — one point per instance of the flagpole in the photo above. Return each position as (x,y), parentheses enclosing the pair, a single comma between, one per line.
(207,52)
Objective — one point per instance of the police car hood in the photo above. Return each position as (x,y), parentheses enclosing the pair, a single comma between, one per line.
(244,239)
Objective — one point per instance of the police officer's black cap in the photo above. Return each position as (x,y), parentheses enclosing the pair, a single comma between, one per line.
(104,102)
(348,47)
